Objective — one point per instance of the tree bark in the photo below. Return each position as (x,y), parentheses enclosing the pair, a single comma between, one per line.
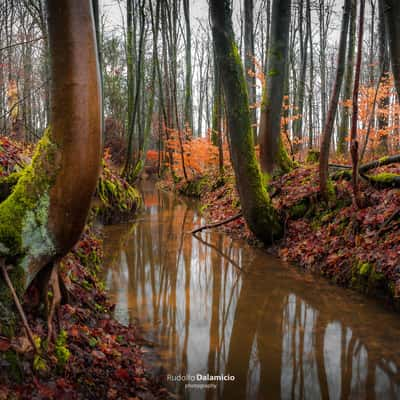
(328,129)
(44,216)
(257,209)
(391,9)
(249,66)
(354,120)
(272,152)
(342,145)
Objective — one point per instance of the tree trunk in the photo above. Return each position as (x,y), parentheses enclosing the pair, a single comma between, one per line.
(392,13)
(298,123)
(249,66)
(257,209)
(354,120)
(188,84)
(348,82)
(328,129)
(272,152)
(45,215)
(384,64)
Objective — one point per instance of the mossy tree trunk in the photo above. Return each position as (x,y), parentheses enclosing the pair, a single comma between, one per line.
(273,155)
(256,205)
(45,214)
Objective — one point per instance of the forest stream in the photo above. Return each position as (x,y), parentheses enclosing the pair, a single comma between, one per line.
(217,306)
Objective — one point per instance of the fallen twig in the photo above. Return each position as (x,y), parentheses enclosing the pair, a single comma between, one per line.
(216,224)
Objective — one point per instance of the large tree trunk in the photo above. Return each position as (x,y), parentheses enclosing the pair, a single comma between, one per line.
(256,205)
(328,129)
(391,9)
(45,215)
(272,152)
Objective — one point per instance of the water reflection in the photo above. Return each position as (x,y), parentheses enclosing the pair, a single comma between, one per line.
(281,334)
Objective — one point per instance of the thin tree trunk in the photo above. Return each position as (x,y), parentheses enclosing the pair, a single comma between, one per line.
(348,83)
(272,153)
(328,129)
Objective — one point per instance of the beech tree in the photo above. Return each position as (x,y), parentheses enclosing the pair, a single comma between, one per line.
(45,214)
(258,211)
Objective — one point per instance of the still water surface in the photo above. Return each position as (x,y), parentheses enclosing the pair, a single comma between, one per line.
(217,306)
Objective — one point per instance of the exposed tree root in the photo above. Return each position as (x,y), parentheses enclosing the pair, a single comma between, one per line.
(55,301)
(18,305)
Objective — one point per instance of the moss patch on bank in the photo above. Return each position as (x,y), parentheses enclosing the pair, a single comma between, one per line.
(116,199)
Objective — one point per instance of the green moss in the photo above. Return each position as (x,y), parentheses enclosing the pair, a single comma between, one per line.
(367,279)
(194,187)
(382,160)
(312,156)
(118,199)
(385,177)
(39,363)
(14,368)
(365,269)
(24,235)
(61,350)
(298,210)
(273,72)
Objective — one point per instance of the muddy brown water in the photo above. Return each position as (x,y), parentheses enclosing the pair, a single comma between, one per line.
(220,307)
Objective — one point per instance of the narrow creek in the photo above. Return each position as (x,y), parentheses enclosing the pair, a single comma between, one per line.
(217,306)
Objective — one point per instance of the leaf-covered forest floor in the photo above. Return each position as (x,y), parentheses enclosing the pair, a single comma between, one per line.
(93,356)
(357,248)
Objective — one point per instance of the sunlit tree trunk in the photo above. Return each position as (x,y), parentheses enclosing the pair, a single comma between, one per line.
(257,209)
(45,215)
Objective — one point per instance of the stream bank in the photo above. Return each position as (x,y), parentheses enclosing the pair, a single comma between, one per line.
(217,306)
(354,248)
(92,356)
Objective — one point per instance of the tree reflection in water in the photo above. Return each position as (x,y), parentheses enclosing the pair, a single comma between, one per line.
(280,333)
